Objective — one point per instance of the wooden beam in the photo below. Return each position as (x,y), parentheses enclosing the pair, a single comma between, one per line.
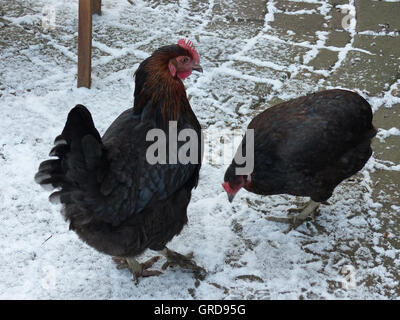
(85,43)
(96,7)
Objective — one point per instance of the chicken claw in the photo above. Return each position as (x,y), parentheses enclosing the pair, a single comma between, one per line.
(138,269)
(297,220)
(183,261)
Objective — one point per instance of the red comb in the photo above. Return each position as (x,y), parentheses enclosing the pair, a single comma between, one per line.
(189,46)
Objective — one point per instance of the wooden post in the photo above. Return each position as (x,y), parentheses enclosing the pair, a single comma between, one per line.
(96,7)
(84,43)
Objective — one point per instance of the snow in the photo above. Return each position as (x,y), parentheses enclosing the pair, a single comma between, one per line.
(383,134)
(41,259)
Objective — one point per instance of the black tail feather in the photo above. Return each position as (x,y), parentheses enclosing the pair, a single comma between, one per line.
(79,124)
(50,166)
(79,153)
(59,150)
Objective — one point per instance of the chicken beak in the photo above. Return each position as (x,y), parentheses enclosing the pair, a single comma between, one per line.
(198,68)
(231,196)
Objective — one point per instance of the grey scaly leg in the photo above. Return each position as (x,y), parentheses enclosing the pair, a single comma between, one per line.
(297,220)
(138,269)
(183,261)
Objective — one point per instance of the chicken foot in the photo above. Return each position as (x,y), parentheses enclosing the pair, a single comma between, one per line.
(136,268)
(297,220)
(183,261)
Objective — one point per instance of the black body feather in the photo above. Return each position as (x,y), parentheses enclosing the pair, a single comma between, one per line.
(307,146)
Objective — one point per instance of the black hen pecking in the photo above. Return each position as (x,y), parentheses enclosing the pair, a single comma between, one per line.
(115,199)
(306,147)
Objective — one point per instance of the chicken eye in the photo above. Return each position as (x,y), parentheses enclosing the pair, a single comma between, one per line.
(185,60)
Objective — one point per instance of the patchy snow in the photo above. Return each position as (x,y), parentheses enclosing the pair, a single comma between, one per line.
(383,134)
(246,255)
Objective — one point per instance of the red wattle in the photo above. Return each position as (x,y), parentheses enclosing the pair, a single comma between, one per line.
(184,74)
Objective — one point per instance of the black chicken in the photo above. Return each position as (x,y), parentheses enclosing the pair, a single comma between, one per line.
(115,200)
(306,147)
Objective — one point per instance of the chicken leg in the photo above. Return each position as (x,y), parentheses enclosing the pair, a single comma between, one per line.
(297,220)
(138,269)
(183,261)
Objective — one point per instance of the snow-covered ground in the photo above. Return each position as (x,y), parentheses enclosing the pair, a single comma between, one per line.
(252,58)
